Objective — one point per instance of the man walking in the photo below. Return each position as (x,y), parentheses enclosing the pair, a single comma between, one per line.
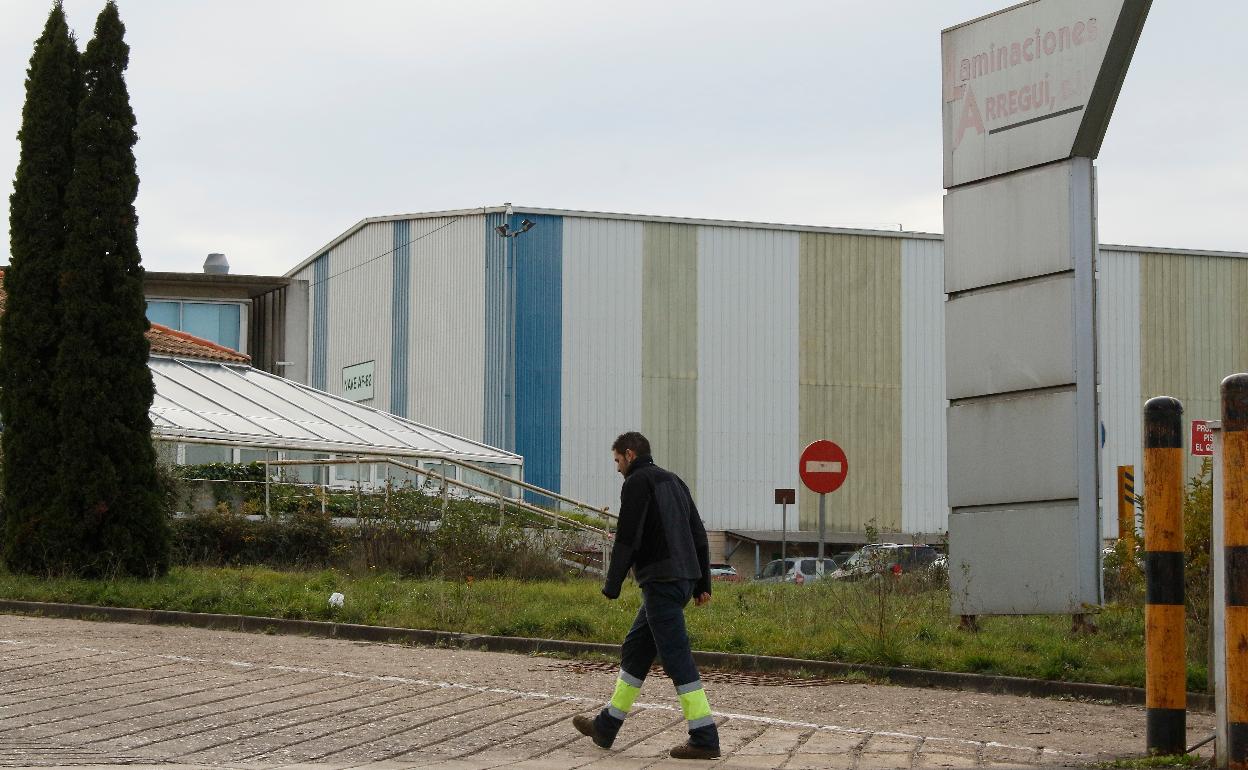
(660,536)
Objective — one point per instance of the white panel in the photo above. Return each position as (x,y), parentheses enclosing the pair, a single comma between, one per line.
(1014,337)
(446,367)
(1118,305)
(1022,554)
(1013,449)
(359,321)
(1012,227)
(747,374)
(1033,83)
(601,359)
(924,479)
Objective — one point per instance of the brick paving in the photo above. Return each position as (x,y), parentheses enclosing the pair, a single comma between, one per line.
(81,694)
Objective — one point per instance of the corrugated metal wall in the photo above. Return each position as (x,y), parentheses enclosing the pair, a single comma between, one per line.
(850,388)
(360,331)
(1192,322)
(400,315)
(747,366)
(924,475)
(447,308)
(669,347)
(495,325)
(602,339)
(320,320)
(730,347)
(1118,352)
(693,333)
(539,345)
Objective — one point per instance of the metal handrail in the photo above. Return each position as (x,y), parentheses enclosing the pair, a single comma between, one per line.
(604,511)
(522,484)
(503,501)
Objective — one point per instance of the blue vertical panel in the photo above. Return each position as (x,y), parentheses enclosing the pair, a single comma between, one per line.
(320,322)
(400,315)
(494,422)
(538,259)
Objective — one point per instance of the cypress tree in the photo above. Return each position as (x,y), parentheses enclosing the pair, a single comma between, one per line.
(108,487)
(29,329)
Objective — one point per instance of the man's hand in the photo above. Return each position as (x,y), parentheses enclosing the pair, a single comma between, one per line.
(702,598)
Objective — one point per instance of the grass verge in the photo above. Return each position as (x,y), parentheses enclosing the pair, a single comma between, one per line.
(902,622)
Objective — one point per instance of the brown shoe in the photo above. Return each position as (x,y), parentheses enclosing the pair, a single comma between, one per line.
(585,726)
(687,750)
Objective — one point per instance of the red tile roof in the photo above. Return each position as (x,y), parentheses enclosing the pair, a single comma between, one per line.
(169,342)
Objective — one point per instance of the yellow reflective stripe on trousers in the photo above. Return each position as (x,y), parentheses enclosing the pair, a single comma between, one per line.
(695,705)
(624,695)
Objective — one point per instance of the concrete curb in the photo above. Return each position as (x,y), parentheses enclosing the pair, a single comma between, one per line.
(913,677)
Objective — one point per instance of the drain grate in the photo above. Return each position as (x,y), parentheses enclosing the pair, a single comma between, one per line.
(714,676)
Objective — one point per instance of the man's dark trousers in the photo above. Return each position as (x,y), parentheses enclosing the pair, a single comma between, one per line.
(660,630)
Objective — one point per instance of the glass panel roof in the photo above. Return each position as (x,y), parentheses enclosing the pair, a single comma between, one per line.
(236,404)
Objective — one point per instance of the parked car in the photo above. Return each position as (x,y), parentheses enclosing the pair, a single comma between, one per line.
(808,567)
(842,557)
(880,558)
(724,572)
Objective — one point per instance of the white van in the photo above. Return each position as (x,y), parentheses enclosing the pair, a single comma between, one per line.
(807,566)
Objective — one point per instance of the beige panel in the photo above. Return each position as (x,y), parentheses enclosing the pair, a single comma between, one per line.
(850,387)
(669,347)
(1192,322)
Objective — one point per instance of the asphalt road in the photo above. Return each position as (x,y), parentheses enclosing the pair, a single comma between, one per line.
(77,693)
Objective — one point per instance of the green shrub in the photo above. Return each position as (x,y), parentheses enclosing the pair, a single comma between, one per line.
(463,544)
(220,471)
(223,538)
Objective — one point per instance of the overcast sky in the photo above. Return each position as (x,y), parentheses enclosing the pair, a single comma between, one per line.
(268,128)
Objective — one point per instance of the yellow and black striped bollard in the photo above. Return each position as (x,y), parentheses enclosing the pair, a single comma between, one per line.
(1235,534)
(1165,653)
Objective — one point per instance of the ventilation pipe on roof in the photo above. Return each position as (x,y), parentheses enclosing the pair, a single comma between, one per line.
(217,264)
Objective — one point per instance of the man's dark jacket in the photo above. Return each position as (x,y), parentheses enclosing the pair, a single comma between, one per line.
(660,535)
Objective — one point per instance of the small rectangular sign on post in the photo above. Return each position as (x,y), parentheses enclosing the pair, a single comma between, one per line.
(1202,438)
(786,496)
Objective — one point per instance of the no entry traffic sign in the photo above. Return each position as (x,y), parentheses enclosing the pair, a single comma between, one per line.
(823,467)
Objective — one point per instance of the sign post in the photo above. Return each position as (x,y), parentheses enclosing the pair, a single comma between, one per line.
(784,498)
(1027,97)
(823,467)
(1126,509)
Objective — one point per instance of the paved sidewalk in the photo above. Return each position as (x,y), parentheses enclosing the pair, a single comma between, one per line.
(81,694)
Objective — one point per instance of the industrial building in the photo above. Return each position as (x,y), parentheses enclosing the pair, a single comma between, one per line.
(730,344)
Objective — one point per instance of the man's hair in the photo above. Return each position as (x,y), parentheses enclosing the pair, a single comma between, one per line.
(634,441)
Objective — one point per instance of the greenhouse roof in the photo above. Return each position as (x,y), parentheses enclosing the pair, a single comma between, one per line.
(216,402)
